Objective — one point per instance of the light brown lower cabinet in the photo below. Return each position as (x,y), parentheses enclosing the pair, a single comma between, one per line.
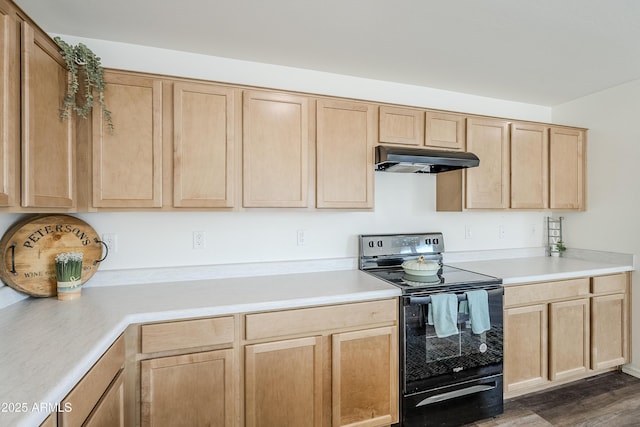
(344,372)
(51,421)
(188,390)
(555,332)
(332,365)
(283,383)
(110,410)
(365,377)
(98,399)
(525,347)
(569,338)
(610,321)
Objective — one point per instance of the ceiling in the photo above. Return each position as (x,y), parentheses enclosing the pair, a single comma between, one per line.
(543,52)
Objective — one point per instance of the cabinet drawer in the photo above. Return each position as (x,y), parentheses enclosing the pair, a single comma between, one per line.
(187,334)
(615,283)
(86,394)
(545,292)
(317,319)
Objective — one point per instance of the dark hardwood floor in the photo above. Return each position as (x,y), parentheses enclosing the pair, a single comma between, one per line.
(611,400)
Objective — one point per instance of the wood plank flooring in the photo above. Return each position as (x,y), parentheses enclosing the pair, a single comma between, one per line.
(607,400)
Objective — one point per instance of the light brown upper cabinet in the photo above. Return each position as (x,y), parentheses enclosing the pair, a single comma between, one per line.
(346,134)
(127,163)
(445,131)
(529,166)
(567,168)
(434,129)
(203,145)
(401,126)
(275,144)
(9,107)
(522,166)
(48,143)
(487,185)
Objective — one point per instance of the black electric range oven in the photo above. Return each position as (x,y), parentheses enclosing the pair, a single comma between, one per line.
(444,380)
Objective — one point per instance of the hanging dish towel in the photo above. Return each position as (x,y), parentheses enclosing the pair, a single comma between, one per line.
(444,312)
(478,307)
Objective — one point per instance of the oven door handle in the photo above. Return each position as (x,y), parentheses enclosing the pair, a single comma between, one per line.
(457,393)
(427,299)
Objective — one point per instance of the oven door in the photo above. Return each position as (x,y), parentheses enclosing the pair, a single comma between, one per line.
(429,362)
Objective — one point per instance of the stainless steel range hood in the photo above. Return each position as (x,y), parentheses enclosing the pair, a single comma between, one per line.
(422,160)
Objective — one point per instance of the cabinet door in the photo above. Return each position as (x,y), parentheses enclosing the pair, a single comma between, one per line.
(275,144)
(283,383)
(345,137)
(445,131)
(9,108)
(48,147)
(127,162)
(365,377)
(609,343)
(566,165)
(203,145)
(569,338)
(188,390)
(525,347)
(529,166)
(401,126)
(487,186)
(109,412)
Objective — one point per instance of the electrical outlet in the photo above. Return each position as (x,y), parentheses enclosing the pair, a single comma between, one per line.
(111,240)
(199,240)
(300,237)
(501,231)
(468,233)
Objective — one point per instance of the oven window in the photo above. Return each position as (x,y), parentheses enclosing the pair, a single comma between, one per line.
(428,356)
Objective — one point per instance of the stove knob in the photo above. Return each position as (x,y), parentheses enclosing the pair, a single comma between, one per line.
(483,347)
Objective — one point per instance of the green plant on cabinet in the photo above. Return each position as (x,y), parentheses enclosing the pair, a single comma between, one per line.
(80,58)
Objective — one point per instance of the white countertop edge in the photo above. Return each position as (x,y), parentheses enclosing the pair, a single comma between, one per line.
(562,276)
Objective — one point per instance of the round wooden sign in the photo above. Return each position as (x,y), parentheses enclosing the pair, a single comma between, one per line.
(30,246)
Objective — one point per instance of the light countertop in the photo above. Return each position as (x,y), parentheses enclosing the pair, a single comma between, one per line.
(543,268)
(46,345)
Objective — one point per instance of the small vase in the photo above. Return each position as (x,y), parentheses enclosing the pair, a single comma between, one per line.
(69,290)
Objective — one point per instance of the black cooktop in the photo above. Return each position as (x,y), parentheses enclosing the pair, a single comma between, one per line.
(448,278)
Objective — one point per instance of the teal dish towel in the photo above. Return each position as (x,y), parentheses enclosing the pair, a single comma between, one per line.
(444,311)
(478,307)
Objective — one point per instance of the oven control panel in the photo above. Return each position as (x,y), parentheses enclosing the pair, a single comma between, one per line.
(373,245)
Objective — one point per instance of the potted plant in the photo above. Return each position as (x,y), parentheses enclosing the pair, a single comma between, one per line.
(83,65)
(68,275)
(556,249)
(561,247)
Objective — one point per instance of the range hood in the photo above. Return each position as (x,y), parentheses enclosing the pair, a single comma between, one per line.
(422,160)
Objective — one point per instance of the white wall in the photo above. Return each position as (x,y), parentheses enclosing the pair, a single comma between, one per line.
(404,203)
(613,164)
